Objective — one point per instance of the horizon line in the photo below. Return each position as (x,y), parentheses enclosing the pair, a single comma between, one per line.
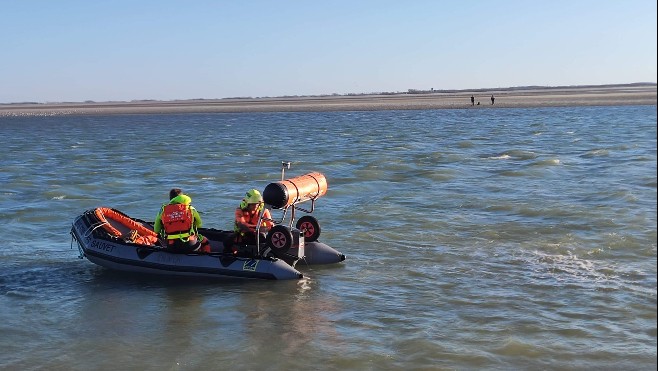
(409,91)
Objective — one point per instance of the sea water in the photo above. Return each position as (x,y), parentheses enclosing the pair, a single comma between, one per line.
(475,239)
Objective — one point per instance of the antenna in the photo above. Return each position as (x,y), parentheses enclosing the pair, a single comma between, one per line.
(284,165)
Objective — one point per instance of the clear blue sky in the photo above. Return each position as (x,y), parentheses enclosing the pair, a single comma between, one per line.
(68,50)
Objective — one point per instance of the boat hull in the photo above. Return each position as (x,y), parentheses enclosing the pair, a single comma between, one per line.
(316,253)
(113,253)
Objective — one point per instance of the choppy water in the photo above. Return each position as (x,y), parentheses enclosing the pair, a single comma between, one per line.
(488,239)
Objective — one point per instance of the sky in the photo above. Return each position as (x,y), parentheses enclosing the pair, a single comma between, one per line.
(122,50)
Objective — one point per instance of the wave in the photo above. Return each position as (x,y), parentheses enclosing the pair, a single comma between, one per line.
(596,153)
(547,162)
(514,154)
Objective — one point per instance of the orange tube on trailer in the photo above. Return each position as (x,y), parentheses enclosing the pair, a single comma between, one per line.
(294,190)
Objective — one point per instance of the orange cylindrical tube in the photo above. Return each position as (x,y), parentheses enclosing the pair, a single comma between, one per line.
(294,190)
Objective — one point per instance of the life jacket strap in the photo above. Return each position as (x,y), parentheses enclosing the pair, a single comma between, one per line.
(181,236)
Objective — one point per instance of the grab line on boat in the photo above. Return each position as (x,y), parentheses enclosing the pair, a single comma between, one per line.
(91,230)
(81,253)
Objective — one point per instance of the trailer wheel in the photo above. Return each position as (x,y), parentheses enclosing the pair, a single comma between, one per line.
(309,227)
(279,239)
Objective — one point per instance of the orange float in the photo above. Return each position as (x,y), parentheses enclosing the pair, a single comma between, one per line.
(291,191)
(143,236)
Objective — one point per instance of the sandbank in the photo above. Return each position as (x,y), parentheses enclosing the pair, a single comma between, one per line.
(604,95)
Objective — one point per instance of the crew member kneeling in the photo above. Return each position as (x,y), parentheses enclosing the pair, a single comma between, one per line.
(178,223)
(246,219)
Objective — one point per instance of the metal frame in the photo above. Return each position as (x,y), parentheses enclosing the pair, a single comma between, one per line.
(284,165)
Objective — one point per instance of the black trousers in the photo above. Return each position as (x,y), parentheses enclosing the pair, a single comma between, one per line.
(181,247)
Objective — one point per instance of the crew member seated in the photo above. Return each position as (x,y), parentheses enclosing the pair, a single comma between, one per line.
(246,221)
(178,223)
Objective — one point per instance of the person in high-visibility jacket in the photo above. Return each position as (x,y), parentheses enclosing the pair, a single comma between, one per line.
(246,218)
(178,223)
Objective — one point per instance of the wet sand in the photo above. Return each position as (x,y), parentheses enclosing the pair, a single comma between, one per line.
(505,98)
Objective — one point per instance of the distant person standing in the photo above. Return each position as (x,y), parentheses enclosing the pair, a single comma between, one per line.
(472,100)
(492,99)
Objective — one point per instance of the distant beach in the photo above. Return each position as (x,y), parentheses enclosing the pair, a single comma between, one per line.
(604,95)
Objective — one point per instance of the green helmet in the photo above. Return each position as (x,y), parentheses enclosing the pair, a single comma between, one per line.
(252,197)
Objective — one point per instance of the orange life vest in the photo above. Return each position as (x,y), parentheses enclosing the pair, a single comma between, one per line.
(177,221)
(251,218)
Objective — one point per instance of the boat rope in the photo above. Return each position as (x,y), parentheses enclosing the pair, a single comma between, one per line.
(93,227)
(80,251)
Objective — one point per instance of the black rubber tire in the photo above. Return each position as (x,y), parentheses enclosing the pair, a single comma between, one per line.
(309,227)
(279,239)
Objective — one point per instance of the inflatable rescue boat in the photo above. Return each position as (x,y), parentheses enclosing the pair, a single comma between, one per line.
(112,239)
